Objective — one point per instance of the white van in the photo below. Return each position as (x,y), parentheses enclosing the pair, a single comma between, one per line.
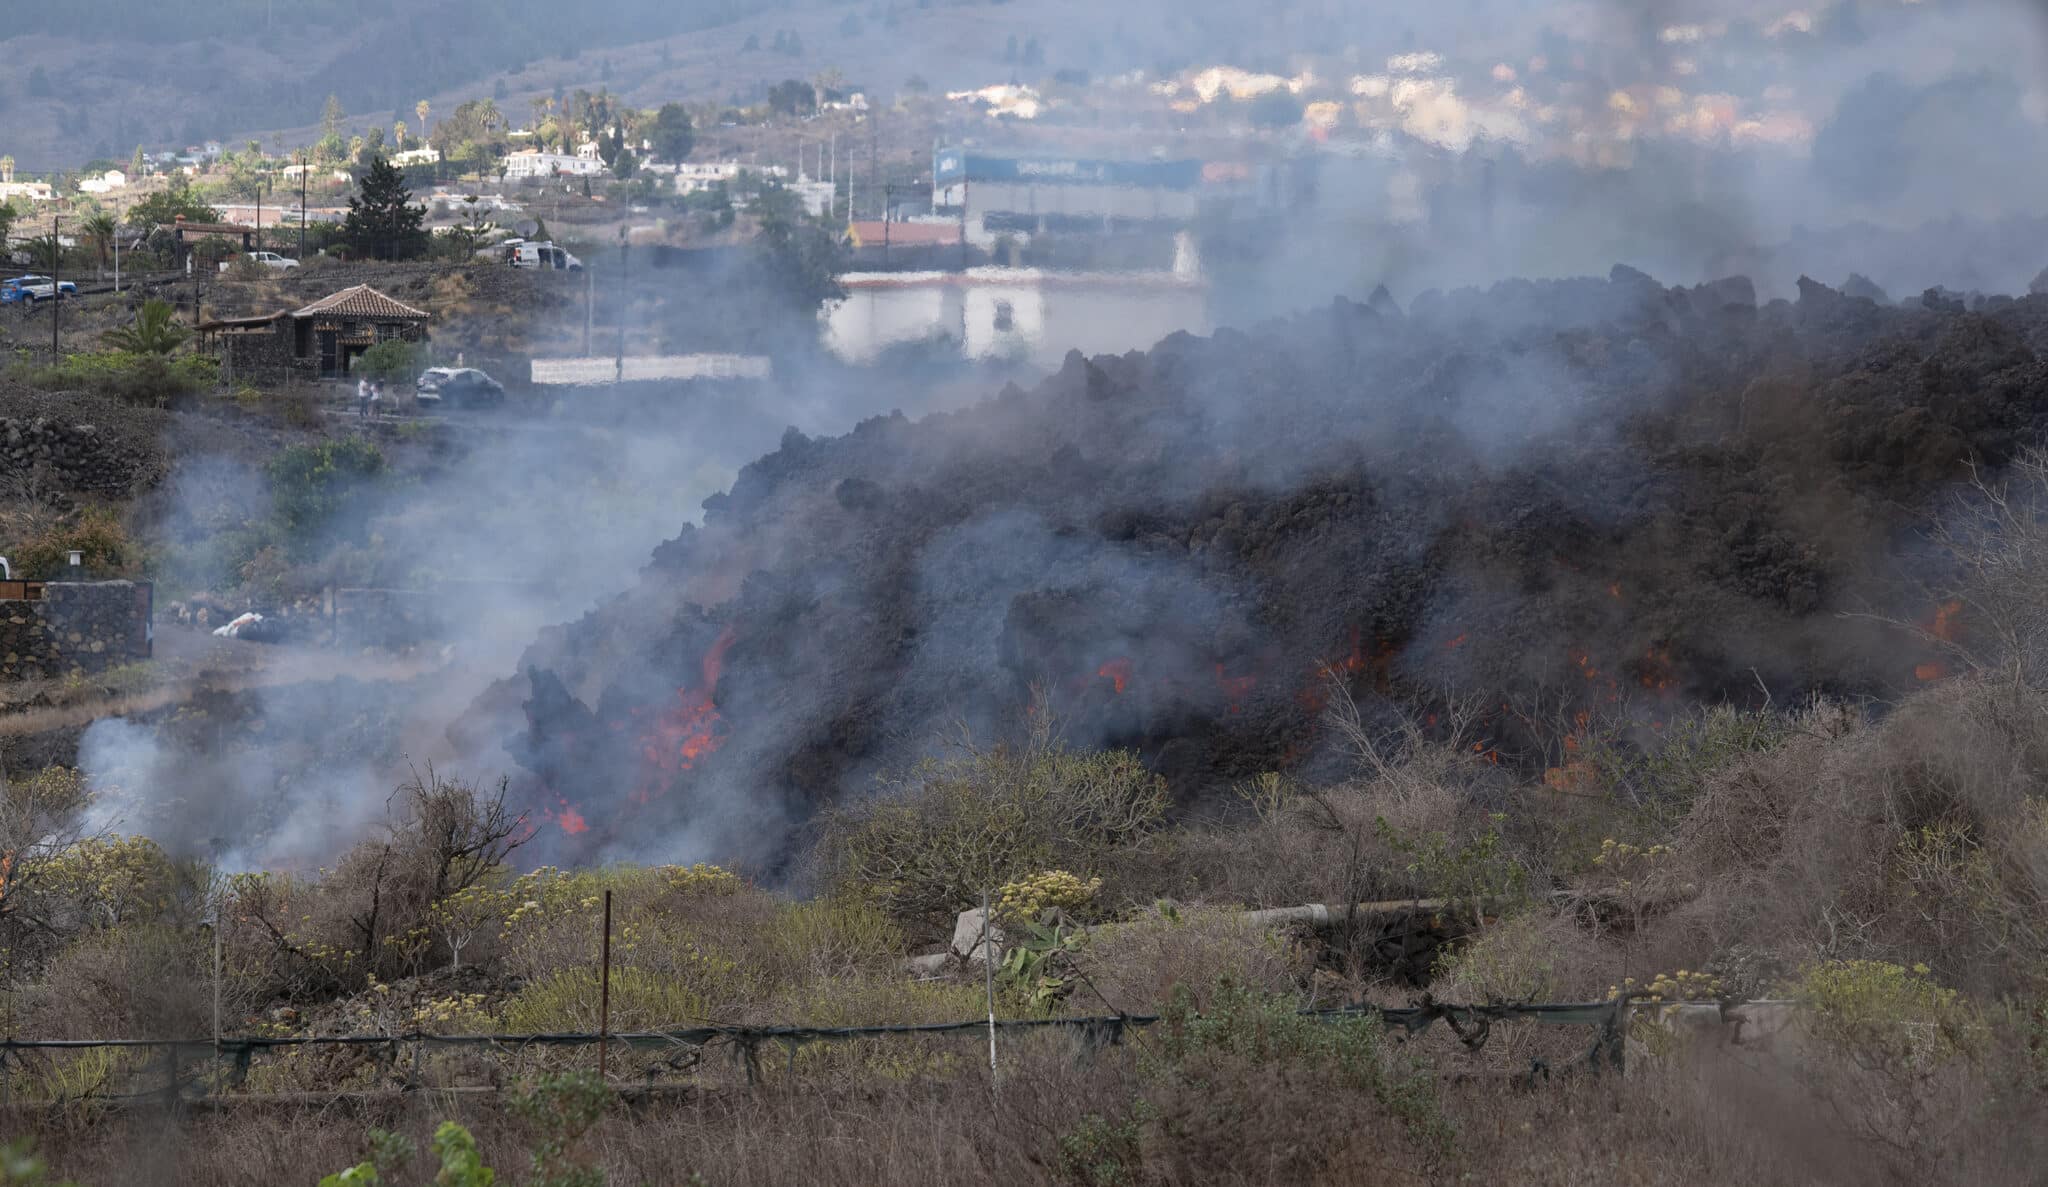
(545,256)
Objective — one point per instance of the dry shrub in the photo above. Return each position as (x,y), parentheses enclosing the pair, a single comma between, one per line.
(1919,839)
(931,843)
(1134,967)
(138,981)
(1531,956)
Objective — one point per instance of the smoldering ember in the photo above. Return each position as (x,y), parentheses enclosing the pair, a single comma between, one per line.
(716,592)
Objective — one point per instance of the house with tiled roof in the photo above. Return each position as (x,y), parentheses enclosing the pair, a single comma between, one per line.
(323,339)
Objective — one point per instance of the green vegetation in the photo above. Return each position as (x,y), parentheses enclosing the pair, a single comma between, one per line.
(152,379)
(154,332)
(392,362)
(95,530)
(953,829)
(325,492)
(382,221)
(167,205)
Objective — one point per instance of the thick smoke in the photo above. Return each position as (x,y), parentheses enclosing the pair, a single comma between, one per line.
(866,596)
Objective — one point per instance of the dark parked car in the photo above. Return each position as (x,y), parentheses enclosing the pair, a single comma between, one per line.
(457,387)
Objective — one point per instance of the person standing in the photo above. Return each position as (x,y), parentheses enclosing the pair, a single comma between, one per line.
(363,399)
(376,398)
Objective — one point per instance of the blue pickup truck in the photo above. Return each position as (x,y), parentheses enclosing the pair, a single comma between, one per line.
(34,290)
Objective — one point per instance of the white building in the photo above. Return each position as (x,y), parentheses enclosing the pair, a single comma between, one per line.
(105,183)
(532,163)
(416,156)
(1020,314)
(816,196)
(33,191)
(692,176)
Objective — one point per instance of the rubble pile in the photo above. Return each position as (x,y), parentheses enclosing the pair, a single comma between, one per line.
(1544,501)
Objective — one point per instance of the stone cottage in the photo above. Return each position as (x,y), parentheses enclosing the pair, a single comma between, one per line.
(320,341)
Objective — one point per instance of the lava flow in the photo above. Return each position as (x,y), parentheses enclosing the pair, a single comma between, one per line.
(568,817)
(1117,672)
(688,729)
(1942,627)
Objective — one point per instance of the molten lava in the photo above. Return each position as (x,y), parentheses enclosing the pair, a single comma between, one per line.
(568,817)
(688,730)
(1117,672)
(1235,688)
(1944,627)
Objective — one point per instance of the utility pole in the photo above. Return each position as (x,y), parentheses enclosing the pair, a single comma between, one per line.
(56,288)
(589,307)
(623,304)
(259,212)
(302,208)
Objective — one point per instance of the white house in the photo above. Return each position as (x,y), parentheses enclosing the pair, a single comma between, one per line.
(692,176)
(816,196)
(105,183)
(33,191)
(416,156)
(532,163)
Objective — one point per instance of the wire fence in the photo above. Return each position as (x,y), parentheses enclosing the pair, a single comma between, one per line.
(216,1071)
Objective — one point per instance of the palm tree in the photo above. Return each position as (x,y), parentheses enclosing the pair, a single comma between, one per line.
(155,331)
(99,228)
(420,109)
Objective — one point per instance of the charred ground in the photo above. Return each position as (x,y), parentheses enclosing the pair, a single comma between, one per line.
(1537,503)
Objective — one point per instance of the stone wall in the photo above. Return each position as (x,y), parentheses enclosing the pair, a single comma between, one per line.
(261,357)
(79,456)
(74,627)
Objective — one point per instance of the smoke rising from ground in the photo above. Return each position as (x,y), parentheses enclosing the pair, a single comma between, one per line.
(1689,141)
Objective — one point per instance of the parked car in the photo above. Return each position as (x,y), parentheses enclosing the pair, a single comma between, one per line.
(34,289)
(545,256)
(264,259)
(457,387)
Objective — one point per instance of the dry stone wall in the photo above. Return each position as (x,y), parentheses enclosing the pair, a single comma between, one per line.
(80,456)
(74,627)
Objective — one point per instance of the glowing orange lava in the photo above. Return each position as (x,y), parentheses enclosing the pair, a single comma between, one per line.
(1117,672)
(1942,626)
(1235,688)
(569,818)
(686,730)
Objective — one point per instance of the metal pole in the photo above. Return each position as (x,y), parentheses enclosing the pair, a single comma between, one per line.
(56,288)
(216,991)
(302,208)
(117,259)
(259,212)
(589,307)
(988,964)
(622,306)
(604,992)
(216,985)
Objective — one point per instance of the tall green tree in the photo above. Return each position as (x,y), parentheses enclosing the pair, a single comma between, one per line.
(672,134)
(382,220)
(165,205)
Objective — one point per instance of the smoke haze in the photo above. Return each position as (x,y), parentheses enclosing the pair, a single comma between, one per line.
(1237,509)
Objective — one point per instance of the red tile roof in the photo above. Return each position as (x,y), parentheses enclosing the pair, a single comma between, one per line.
(364,302)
